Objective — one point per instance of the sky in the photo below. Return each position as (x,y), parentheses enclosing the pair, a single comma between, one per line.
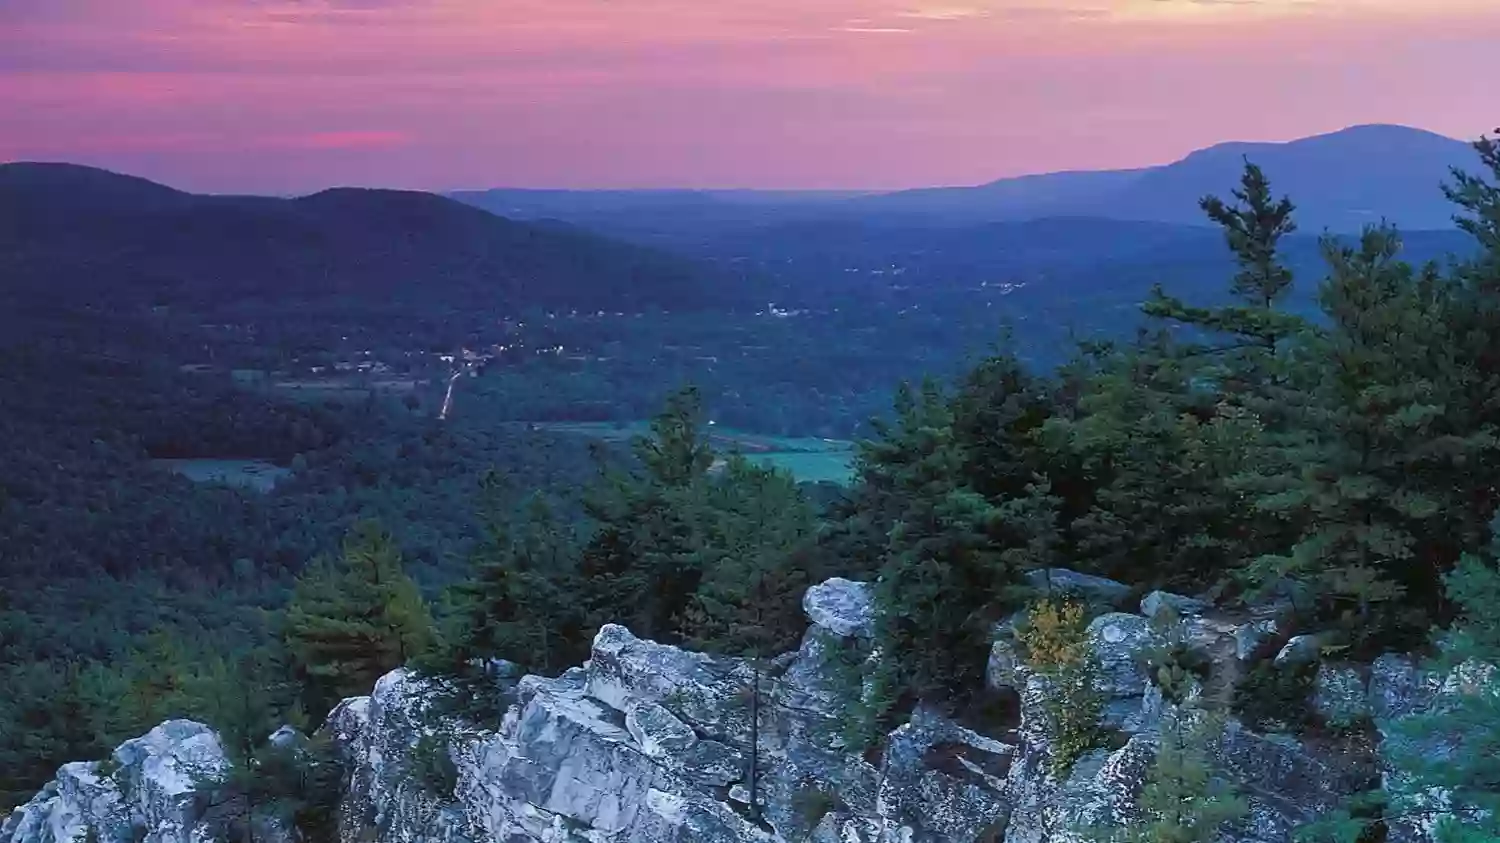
(289,96)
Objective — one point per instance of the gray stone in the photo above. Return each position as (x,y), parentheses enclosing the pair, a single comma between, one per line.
(1339,695)
(157,792)
(287,737)
(1004,670)
(841,606)
(1157,602)
(659,732)
(1084,586)
(1249,637)
(647,743)
(1301,649)
(1118,641)
(618,751)
(1286,784)
(1398,688)
(944,782)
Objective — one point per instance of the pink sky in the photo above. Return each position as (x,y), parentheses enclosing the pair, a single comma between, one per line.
(296,95)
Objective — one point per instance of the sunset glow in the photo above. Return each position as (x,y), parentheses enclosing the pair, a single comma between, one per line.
(277,96)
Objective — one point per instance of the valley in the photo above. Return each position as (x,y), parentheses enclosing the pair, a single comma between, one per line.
(228,420)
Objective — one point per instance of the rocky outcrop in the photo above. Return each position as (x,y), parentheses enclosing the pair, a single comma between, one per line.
(647,743)
(153,789)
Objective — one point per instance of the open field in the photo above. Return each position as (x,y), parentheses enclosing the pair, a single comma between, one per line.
(247,474)
(809,459)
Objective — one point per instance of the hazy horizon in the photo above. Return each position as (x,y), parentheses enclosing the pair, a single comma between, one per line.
(277,96)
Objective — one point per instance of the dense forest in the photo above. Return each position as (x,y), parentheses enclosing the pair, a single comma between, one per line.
(1343,463)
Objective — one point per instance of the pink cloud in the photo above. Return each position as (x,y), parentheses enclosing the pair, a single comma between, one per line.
(283,95)
(343,140)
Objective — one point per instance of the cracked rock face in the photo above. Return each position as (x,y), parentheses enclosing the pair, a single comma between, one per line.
(841,606)
(647,743)
(154,789)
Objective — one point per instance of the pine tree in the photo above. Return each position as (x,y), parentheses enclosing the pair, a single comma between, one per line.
(946,578)
(1254,326)
(1184,800)
(751,525)
(246,696)
(1378,462)
(1251,357)
(1158,455)
(520,604)
(349,624)
(1475,323)
(158,679)
(638,567)
(1449,757)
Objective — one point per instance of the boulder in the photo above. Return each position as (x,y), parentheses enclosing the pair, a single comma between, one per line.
(1004,671)
(1339,696)
(841,606)
(1301,649)
(154,788)
(1286,784)
(1091,589)
(1118,641)
(649,743)
(1157,603)
(1398,688)
(1249,637)
(944,782)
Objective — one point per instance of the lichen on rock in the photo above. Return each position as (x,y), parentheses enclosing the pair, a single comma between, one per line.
(649,743)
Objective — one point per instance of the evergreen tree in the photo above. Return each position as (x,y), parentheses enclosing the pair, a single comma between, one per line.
(952,563)
(751,525)
(158,680)
(1449,756)
(1254,326)
(520,604)
(246,696)
(998,410)
(1380,456)
(349,624)
(51,712)
(1158,454)
(1184,800)
(1474,322)
(639,567)
(1251,357)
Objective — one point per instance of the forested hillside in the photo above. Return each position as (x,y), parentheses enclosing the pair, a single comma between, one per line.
(1342,469)
(114,240)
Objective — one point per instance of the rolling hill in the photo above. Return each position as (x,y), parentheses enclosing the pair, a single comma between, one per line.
(1340,181)
(112,239)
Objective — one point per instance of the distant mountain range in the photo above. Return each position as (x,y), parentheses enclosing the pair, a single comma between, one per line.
(78,233)
(71,234)
(1339,181)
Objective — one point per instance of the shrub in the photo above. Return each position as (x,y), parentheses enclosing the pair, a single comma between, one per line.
(812,804)
(1055,637)
(1174,667)
(1269,697)
(433,766)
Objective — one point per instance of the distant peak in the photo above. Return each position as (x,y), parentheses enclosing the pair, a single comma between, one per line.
(1380,129)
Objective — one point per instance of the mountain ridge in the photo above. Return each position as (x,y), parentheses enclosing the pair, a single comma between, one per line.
(1327,175)
(64,224)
